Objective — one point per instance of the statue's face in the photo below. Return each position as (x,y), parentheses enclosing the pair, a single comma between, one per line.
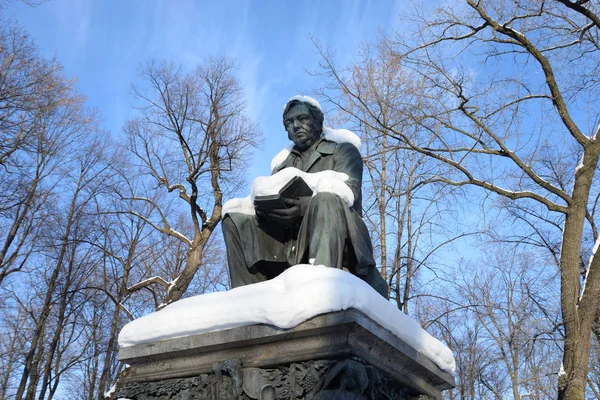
(301,127)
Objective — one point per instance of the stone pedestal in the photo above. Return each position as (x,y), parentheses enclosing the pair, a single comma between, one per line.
(341,355)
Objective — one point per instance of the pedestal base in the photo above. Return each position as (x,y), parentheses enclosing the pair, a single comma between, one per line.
(342,355)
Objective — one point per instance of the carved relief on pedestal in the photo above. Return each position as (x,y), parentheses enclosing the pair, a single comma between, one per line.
(349,379)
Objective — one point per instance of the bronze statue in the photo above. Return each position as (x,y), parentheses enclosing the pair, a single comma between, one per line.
(321,229)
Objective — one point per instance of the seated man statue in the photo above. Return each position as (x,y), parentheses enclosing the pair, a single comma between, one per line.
(321,230)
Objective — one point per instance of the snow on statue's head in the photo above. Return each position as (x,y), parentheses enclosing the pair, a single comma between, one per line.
(303,120)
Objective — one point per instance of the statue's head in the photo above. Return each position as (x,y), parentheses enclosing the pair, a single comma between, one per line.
(303,123)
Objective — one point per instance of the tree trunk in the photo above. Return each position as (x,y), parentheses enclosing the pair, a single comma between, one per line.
(58,330)
(114,327)
(578,327)
(41,323)
(382,217)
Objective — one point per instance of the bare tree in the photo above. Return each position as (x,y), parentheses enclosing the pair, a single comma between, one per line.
(411,220)
(190,136)
(452,321)
(67,259)
(124,244)
(57,317)
(50,148)
(499,316)
(37,115)
(405,215)
(513,324)
(11,345)
(527,133)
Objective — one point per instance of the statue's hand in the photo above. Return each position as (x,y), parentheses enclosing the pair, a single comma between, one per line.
(287,215)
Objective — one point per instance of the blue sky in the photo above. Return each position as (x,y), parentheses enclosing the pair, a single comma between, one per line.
(102,42)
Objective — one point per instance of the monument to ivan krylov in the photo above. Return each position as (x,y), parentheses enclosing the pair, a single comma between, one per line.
(321,229)
(287,330)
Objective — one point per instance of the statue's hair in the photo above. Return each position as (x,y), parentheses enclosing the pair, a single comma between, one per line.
(315,112)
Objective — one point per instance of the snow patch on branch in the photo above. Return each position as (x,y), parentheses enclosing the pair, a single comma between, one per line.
(580,165)
(147,282)
(111,391)
(180,235)
(172,284)
(596,246)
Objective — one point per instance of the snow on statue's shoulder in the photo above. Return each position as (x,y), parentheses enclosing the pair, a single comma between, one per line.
(285,301)
(334,135)
(281,156)
(342,136)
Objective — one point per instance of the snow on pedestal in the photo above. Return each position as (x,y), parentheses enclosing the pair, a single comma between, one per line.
(298,294)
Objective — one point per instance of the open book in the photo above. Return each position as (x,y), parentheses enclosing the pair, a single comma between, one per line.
(294,189)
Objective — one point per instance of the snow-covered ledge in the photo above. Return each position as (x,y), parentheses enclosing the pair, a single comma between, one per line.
(307,313)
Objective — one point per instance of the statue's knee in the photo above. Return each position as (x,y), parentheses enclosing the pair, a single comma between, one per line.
(325,198)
